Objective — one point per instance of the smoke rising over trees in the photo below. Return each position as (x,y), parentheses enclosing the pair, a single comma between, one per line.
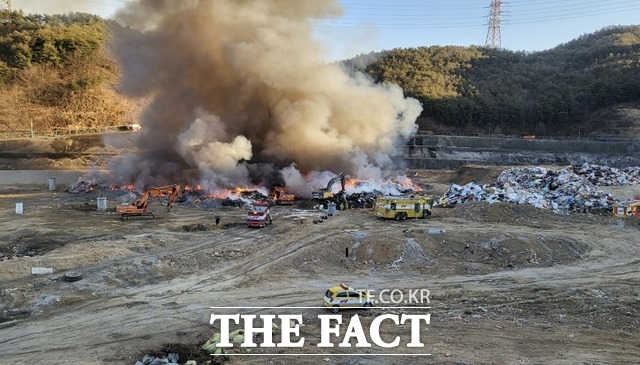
(238,82)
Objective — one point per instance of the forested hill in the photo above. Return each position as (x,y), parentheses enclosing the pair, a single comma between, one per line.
(56,73)
(582,86)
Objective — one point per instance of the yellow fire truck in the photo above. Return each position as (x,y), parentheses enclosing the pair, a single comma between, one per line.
(626,209)
(402,207)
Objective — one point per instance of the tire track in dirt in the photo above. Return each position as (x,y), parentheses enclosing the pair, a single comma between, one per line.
(134,318)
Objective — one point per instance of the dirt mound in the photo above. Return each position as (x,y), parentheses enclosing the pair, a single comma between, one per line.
(475,253)
(463,250)
(378,252)
(506,213)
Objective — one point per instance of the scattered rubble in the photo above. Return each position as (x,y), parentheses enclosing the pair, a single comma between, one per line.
(364,200)
(187,354)
(608,176)
(196,227)
(199,198)
(571,189)
(168,359)
(82,187)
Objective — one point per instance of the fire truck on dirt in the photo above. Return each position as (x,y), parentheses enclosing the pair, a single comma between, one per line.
(140,208)
(402,207)
(260,214)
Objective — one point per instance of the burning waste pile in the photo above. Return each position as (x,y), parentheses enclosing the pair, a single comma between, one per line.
(94,188)
(363,194)
(251,100)
(83,186)
(571,189)
(239,198)
(357,193)
(364,200)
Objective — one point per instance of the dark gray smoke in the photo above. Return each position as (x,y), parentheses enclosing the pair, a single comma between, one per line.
(240,83)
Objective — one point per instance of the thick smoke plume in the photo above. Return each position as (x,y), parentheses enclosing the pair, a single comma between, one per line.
(239,90)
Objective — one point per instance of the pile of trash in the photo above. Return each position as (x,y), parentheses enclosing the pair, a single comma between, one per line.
(211,346)
(83,187)
(241,200)
(159,359)
(91,189)
(608,176)
(362,200)
(572,189)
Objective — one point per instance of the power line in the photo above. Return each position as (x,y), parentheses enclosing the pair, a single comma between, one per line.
(403,13)
(584,8)
(508,17)
(572,15)
(425,6)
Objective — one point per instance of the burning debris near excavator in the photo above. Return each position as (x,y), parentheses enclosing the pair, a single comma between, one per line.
(229,107)
(232,119)
(358,194)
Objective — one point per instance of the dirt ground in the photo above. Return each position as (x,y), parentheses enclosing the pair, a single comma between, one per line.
(508,284)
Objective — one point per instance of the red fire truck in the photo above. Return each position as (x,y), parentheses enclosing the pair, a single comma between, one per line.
(259,215)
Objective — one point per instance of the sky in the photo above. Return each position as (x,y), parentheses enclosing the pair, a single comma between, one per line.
(375,25)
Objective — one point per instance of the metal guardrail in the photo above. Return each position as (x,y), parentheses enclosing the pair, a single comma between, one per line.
(60,132)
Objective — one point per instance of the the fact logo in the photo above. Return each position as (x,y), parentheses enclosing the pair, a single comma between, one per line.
(381,331)
(330,330)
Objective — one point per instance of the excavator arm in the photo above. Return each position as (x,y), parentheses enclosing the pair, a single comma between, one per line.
(140,206)
(326,193)
(340,177)
(143,201)
(173,196)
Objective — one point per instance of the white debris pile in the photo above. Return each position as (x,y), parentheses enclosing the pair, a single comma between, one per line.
(168,359)
(561,190)
(608,176)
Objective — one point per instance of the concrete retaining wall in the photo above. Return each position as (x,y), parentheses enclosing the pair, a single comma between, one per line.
(64,178)
(451,152)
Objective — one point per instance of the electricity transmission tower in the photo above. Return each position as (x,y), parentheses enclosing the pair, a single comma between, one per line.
(493,32)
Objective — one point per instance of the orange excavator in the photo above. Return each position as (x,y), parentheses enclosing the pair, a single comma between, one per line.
(281,197)
(140,208)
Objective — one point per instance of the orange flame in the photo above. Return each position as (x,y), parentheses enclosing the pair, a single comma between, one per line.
(129,187)
(351,182)
(408,184)
(193,188)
